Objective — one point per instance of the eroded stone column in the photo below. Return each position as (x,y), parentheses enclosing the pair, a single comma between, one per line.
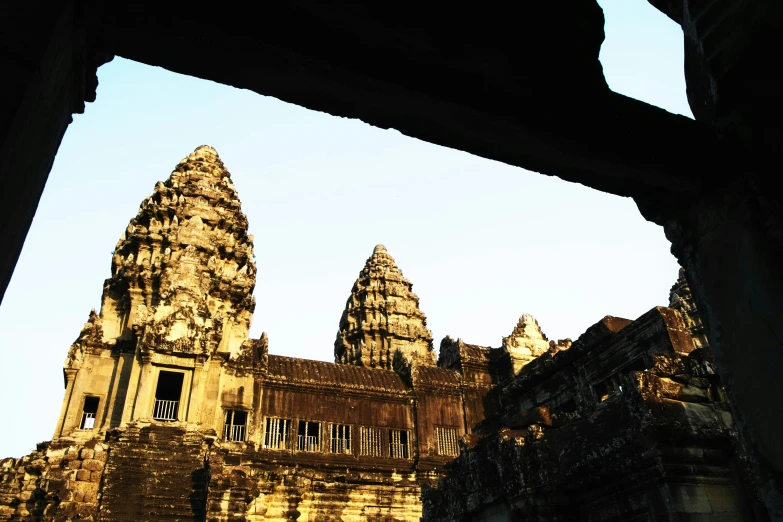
(70,377)
(197,383)
(142,402)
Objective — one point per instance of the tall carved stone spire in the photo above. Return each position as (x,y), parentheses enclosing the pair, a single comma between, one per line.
(382,317)
(183,272)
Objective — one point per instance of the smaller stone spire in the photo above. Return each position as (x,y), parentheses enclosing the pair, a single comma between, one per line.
(382,319)
(526,342)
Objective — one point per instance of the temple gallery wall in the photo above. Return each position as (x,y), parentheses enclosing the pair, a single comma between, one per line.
(170,411)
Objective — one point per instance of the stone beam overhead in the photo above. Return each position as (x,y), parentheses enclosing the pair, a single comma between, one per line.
(382,319)
(524,86)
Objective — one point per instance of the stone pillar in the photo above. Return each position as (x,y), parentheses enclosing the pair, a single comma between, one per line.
(142,404)
(70,377)
(256,433)
(731,245)
(197,383)
(133,386)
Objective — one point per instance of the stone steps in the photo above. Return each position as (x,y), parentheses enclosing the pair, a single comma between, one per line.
(155,473)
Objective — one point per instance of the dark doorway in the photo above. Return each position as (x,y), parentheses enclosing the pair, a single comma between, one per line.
(167,396)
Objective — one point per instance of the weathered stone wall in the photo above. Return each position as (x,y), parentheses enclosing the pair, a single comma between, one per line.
(170,473)
(243,487)
(628,423)
(58,481)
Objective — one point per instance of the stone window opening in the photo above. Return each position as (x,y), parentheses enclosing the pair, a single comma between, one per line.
(602,390)
(167,394)
(89,411)
(608,387)
(637,365)
(399,446)
(568,406)
(276,433)
(447,441)
(370,442)
(308,436)
(339,438)
(235,426)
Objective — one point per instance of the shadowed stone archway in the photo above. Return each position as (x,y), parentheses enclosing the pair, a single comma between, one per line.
(521,85)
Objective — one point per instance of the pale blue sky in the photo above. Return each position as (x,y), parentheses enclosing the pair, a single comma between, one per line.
(482,242)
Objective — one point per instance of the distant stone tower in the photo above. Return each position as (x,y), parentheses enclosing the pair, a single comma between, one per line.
(382,317)
(526,342)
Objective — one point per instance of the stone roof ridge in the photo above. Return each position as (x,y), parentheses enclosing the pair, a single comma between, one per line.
(340,367)
(599,332)
(323,373)
(435,376)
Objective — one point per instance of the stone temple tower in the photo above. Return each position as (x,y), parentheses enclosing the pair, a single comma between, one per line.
(180,292)
(382,318)
(183,272)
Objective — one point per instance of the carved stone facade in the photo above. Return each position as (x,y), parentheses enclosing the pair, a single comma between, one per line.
(172,413)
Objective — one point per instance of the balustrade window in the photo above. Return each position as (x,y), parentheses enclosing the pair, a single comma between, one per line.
(399,447)
(89,411)
(370,441)
(339,438)
(167,394)
(308,436)
(235,427)
(447,441)
(276,433)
